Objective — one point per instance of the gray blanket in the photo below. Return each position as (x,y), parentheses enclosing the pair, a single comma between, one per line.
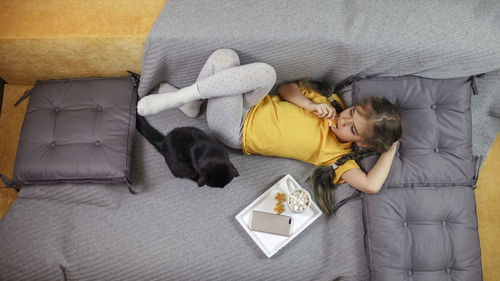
(334,40)
(326,39)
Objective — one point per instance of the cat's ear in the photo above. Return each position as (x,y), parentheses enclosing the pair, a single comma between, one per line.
(201,180)
(233,172)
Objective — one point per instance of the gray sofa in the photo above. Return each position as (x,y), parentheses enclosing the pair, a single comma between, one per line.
(173,230)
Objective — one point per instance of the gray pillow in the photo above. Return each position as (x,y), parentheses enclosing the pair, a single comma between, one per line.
(78,130)
(422,225)
(437,144)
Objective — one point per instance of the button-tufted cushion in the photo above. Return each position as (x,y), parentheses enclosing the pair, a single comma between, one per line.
(422,225)
(77,130)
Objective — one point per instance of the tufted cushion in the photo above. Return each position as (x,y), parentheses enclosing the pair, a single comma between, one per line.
(77,130)
(422,225)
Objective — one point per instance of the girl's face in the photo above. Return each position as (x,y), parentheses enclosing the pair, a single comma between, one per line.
(351,126)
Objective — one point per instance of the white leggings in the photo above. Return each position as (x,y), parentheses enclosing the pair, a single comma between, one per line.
(231,89)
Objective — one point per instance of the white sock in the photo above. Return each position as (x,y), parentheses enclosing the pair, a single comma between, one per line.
(166,88)
(153,104)
(192,109)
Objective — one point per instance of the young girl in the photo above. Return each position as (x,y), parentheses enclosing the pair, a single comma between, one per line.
(300,123)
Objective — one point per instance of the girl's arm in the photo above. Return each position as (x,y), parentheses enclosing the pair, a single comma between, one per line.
(291,93)
(373,181)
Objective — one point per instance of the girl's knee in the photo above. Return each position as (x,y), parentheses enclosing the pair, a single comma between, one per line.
(267,72)
(231,139)
(227,57)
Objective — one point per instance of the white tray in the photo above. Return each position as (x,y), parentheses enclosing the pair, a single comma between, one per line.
(270,244)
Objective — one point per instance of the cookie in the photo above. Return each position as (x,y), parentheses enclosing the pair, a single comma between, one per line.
(279,208)
(280,197)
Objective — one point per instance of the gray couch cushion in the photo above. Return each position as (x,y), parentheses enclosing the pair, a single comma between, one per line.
(436,148)
(423,222)
(77,130)
(422,234)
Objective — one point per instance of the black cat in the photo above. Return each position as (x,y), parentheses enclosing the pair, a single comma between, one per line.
(191,153)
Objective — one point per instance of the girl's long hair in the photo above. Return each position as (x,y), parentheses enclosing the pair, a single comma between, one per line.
(323,177)
(320,86)
(387,128)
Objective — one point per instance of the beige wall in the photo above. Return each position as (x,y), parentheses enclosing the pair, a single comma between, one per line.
(53,39)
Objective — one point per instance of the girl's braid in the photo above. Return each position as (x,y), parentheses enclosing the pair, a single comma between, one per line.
(355,155)
(323,177)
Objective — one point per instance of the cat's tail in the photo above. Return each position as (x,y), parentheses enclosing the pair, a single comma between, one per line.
(150,133)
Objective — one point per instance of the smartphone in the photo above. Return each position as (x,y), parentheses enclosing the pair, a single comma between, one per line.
(271,223)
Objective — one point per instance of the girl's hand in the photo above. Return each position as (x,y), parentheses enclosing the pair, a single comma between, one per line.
(394,146)
(373,181)
(322,110)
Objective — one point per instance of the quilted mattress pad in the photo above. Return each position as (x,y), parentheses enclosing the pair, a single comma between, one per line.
(422,225)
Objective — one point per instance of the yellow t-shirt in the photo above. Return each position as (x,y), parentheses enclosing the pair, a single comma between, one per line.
(275,127)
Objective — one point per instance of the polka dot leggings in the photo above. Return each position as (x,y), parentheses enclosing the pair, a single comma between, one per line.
(231,89)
